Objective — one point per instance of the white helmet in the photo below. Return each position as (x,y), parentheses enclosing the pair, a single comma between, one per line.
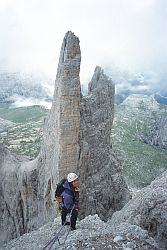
(72,177)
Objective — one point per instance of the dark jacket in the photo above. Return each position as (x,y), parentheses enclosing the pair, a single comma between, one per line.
(70,196)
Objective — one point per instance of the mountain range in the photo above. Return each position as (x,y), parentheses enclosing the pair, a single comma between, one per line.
(17,88)
(21,89)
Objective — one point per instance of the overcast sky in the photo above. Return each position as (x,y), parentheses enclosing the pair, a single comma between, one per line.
(128,34)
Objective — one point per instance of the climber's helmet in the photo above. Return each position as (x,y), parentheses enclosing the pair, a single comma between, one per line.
(72,177)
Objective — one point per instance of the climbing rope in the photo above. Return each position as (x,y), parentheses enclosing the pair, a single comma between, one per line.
(58,234)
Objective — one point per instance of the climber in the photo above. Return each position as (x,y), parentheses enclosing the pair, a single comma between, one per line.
(70,200)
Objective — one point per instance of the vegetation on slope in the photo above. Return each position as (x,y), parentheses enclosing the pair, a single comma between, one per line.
(25,136)
(141,162)
(22,114)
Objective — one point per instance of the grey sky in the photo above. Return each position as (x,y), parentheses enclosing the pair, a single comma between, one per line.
(130,34)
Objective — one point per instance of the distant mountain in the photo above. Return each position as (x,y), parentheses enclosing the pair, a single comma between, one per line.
(128,83)
(139,102)
(153,130)
(139,138)
(14,86)
(23,89)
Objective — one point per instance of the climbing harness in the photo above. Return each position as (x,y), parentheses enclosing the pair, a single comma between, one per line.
(58,235)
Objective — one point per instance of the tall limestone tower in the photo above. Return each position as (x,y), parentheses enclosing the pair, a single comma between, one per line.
(60,148)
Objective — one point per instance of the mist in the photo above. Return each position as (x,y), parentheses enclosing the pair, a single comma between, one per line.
(128,35)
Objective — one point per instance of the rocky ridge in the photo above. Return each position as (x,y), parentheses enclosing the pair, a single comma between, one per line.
(140,225)
(147,210)
(91,233)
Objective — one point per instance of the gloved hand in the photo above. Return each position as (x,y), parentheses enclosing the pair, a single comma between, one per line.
(77,206)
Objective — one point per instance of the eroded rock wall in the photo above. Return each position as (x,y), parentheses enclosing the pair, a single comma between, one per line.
(12,220)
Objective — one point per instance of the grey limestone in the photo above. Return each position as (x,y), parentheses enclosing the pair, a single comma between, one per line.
(103,188)
(147,210)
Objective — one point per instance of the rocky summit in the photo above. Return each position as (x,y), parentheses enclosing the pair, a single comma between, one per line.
(76,138)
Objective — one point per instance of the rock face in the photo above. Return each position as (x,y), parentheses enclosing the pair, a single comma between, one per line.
(12,223)
(60,149)
(20,85)
(103,187)
(154,129)
(92,233)
(147,210)
(76,138)
(156,135)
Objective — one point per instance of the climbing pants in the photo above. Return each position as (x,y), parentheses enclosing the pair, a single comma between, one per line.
(73,217)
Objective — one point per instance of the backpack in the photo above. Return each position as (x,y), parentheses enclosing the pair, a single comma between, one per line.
(60,188)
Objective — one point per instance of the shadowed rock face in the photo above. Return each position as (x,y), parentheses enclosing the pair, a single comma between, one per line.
(103,188)
(76,138)
(12,219)
(157,133)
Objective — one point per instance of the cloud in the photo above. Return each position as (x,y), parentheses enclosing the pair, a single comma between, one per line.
(25,102)
(130,34)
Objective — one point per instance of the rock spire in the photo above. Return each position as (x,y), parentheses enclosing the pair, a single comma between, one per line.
(103,187)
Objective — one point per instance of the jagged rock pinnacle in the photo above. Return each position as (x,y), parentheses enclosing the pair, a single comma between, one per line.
(103,185)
